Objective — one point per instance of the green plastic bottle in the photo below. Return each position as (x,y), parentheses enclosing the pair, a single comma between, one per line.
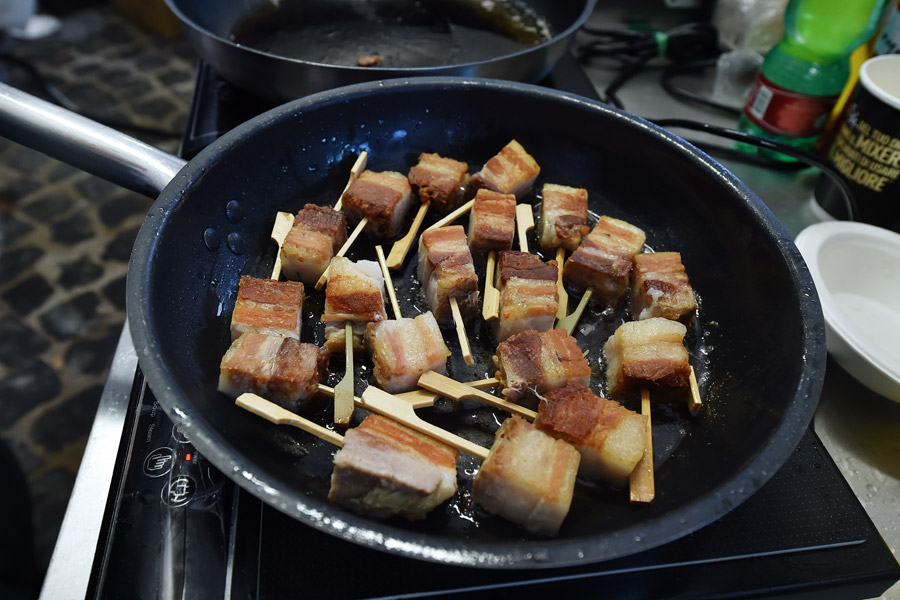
(802,76)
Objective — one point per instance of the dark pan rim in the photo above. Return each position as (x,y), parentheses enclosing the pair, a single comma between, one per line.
(525,554)
(388,71)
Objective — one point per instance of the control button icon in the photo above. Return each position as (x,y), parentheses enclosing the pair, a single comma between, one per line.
(179,491)
(159,462)
(179,437)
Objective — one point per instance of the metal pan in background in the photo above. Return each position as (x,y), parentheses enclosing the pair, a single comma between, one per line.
(295,48)
(758,344)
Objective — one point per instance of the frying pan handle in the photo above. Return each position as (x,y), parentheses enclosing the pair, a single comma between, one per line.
(84,143)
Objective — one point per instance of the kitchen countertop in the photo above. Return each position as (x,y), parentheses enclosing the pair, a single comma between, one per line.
(859,428)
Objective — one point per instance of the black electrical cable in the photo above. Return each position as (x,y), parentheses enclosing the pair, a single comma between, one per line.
(676,69)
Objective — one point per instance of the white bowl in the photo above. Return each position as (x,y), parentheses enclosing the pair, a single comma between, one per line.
(856,269)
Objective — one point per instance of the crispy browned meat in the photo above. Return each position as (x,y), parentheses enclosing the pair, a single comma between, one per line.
(403,349)
(647,354)
(383,197)
(661,288)
(439,181)
(317,234)
(603,261)
(446,270)
(528,477)
(279,369)
(492,222)
(532,363)
(563,216)
(355,292)
(267,306)
(510,171)
(609,437)
(528,294)
(385,468)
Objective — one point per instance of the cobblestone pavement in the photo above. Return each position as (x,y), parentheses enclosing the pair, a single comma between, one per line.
(65,239)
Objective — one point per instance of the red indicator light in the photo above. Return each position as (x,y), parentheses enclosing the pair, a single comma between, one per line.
(187,457)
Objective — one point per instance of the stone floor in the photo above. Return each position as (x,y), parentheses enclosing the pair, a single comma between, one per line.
(65,239)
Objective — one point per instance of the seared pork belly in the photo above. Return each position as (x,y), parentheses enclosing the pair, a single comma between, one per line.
(385,468)
(281,370)
(563,216)
(528,477)
(439,181)
(355,292)
(532,363)
(404,349)
(510,171)
(318,233)
(603,261)
(492,223)
(609,437)
(528,294)
(647,354)
(383,197)
(267,306)
(446,271)
(661,288)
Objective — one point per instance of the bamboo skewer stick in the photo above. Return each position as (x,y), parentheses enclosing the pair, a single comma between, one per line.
(343,391)
(490,308)
(641,481)
(283,223)
(422,398)
(401,247)
(461,333)
(358,167)
(694,401)
(359,227)
(389,405)
(452,216)
(569,322)
(389,283)
(563,308)
(524,223)
(281,416)
(443,385)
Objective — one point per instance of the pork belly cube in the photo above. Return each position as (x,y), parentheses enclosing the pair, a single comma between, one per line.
(384,197)
(267,306)
(355,292)
(609,437)
(603,261)
(446,270)
(647,354)
(385,468)
(316,236)
(532,363)
(661,288)
(404,349)
(492,223)
(528,294)
(281,370)
(439,181)
(563,216)
(528,477)
(510,171)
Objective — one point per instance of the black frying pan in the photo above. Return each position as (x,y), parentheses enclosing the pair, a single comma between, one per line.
(758,344)
(291,48)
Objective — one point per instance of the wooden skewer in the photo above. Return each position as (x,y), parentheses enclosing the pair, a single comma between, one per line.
(283,223)
(388,282)
(452,216)
(280,416)
(643,488)
(694,401)
(423,398)
(359,227)
(391,406)
(343,391)
(569,322)
(401,247)
(563,308)
(490,308)
(461,333)
(358,167)
(443,385)
(524,223)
